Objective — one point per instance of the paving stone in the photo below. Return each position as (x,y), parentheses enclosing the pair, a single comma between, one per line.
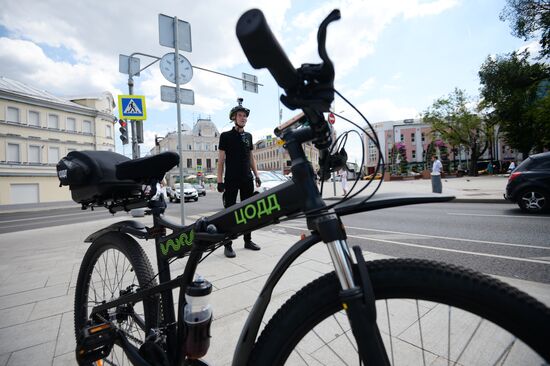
(32,296)
(29,334)
(67,359)
(65,338)
(53,306)
(38,355)
(15,315)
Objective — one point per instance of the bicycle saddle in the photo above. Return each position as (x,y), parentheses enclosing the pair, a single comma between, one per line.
(150,167)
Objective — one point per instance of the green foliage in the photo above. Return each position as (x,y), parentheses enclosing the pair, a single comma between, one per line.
(455,120)
(529,19)
(517,91)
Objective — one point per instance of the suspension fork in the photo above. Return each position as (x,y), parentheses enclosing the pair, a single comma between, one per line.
(357,297)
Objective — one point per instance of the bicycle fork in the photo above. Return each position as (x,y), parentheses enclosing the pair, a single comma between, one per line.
(357,298)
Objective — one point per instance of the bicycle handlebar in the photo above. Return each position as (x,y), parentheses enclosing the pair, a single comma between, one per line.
(263,50)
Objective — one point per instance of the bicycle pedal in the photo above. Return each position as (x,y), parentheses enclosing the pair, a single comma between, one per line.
(95,342)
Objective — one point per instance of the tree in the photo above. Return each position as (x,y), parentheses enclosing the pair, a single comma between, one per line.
(529,18)
(517,92)
(458,123)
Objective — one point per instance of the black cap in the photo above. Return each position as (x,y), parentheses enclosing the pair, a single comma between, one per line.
(199,287)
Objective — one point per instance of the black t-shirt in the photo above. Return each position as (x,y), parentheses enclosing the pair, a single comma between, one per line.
(237,147)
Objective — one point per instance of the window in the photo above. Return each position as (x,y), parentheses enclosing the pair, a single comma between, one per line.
(71,124)
(412,136)
(215,146)
(189,161)
(53,155)
(34,154)
(206,146)
(86,127)
(108,132)
(13,153)
(34,118)
(197,146)
(423,137)
(53,121)
(401,137)
(413,154)
(12,115)
(189,147)
(199,162)
(208,162)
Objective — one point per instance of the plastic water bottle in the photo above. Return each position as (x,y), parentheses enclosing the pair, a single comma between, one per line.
(197,315)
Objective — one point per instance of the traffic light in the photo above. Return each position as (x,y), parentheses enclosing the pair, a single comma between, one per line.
(123,131)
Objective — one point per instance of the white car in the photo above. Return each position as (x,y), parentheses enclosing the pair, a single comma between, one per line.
(269,180)
(189,192)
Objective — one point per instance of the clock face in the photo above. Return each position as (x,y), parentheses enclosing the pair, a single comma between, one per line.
(168,68)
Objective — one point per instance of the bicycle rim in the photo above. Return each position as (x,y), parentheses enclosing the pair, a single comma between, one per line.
(428,314)
(110,268)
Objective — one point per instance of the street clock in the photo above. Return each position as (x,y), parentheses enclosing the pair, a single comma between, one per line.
(168,68)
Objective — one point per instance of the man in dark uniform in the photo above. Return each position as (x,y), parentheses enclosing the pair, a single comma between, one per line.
(235,151)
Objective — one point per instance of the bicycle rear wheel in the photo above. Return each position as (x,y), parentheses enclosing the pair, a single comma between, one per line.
(113,265)
(428,313)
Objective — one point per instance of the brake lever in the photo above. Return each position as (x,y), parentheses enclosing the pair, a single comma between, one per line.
(316,89)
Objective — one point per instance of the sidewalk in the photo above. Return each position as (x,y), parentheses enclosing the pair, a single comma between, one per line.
(482,189)
(38,271)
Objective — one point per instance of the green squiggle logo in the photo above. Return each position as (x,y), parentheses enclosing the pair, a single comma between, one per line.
(176,245)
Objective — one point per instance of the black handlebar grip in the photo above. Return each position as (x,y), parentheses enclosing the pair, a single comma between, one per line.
(263,50)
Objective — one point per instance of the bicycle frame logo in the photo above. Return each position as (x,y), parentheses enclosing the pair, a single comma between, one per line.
(256,210)
(185,239)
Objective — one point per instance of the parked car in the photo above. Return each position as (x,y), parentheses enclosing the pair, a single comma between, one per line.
(189,192)
(170,194)
(269,180)
(529,184)
(200,189)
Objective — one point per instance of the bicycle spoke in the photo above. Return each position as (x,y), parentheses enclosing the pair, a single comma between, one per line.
(421,338)
(469,340)
(389,331)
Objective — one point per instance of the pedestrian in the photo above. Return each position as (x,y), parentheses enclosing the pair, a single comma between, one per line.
(490,168)
(344,180)
(235,152)
(512,166)
(436,175)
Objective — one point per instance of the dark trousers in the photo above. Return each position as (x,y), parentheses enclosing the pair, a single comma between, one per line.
(246,190)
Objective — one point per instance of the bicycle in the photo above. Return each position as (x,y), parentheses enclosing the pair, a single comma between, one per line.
(123,313)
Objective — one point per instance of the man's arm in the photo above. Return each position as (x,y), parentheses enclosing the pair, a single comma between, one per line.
(221,162)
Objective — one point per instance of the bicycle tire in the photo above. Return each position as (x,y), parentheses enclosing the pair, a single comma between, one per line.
(515,312)
(116,244)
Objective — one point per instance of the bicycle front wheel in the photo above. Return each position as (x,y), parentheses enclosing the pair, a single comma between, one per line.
(115,265)
(428,313)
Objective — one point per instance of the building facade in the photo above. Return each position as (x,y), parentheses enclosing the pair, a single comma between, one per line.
(416,136)
(199,149)
(270,155)
(37,129)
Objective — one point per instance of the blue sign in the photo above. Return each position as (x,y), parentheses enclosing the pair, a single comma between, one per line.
(132,107)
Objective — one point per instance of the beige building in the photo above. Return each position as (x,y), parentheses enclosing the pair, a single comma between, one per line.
(199,149)
(270,155)
(37,129)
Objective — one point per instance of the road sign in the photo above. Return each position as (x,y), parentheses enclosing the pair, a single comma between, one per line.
(250,83)
(166,33)
(331,118)
(132,107)
(123,65)
(199,168)
(168,94)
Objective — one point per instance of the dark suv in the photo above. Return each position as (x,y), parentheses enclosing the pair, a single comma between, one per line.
(529,184)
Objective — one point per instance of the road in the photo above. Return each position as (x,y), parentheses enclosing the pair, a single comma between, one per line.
(492,238)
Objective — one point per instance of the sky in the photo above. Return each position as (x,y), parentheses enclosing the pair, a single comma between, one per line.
(392,58)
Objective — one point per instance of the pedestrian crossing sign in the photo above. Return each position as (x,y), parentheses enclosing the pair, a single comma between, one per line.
(132,107)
